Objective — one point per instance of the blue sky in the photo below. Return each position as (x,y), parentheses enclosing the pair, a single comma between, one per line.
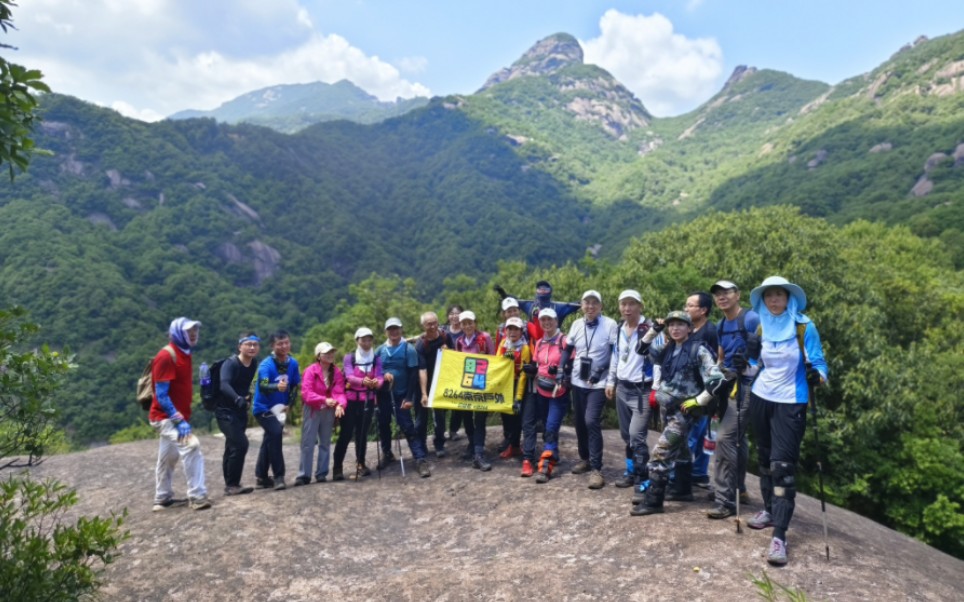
(151,58)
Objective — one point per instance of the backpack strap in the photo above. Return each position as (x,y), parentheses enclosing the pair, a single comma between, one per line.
(171,351)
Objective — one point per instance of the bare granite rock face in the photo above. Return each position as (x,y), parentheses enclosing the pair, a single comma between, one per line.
(466,535)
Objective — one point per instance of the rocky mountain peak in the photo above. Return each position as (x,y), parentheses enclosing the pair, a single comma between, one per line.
(739,74)
(546,56)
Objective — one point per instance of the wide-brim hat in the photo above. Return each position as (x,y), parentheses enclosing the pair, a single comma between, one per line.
(756,295)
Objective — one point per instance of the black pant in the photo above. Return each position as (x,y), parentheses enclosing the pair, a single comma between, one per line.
(354,425)
(270,453)
(474,423)
(512,427)
(587,406)
(232,424)
(778,428)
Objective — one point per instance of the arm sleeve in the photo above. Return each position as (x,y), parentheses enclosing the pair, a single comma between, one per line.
(814,349)
(310,393)
(162,389)
(264,379)
(229,370)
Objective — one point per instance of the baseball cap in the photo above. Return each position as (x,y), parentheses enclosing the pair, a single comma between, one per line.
(723,285)
(323,347)
(392,322)
(514,321)
(631,294)
(509,302)
(592,293)
(363,332)
(548,312)
(467,315)
(680,316)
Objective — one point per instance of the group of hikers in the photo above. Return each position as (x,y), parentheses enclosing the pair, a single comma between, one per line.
(756,368)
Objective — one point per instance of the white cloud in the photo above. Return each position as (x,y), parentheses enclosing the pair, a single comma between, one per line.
(412,64)
(667,71)
(151,58)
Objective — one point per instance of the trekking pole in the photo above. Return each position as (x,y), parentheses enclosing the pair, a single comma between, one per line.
(739,451)
(401,459)
(378,443)
(816,441)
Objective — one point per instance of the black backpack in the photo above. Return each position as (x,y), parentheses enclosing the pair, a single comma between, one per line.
(211,393)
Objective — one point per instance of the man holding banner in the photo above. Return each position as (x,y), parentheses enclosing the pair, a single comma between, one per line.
(471,379)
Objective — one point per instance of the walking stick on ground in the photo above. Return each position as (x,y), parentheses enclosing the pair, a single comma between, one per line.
(739,451)
(401,459)
(816,441)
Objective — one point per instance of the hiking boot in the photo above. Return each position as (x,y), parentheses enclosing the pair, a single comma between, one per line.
(526,468)
(702,482)
(441,453)
(302,481)
(423,468)
(639,493)
(720,512)
(627,480)
(777,554)
(596,480)
(644,510)
(337,475)
(581,467)
(546,464)
(237,490)
(469,453)
(682,488)
(362,470)
(513,451)
(321,479)
(160,505)
(481,463)
(203,503)
(387,459)
(760,520)
(264,482)
(279,484)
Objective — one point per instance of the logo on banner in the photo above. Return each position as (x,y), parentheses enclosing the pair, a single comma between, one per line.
(474,371)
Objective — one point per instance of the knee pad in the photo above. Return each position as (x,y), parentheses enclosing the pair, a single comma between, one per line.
(673,438)
(784,484)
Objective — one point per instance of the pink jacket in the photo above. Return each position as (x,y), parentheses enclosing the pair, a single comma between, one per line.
(314,392)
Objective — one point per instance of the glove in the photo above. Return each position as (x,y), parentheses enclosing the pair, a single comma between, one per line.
(739,362)
(183,429)
(241,403)
(753,345)
(567,370)
(501,291)
(652,398)
(659,326)
(530,368)
(814,379)
(690,405)
(593,379)
(516,408)
(553,369)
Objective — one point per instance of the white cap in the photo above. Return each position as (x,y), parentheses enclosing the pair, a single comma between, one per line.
(467,315)
(723,285)
(363,332)
(592,293)
(323,347)
(631,294)
(392,322)
(548,312)
(515,321)
(509,302)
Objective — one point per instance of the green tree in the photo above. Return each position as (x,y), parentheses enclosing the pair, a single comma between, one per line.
(18,105)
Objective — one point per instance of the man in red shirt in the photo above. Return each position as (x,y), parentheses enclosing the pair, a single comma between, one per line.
(173,377)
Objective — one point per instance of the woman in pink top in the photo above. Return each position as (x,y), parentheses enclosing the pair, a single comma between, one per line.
(323,400)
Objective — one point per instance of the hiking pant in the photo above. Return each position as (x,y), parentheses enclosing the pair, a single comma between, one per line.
(701,461)
(233,424)
(456,419)
(404,420)
(354,425)
(270,453)
(475,430)
(632,409)
(549,411)
(169,450)
(778,428)
(438,418)
(421,423)
(729,471)
(512,427)
(671,447)
(587,406)
(316,428)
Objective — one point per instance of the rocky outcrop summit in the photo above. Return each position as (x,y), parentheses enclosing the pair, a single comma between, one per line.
(589,93)
(466,535)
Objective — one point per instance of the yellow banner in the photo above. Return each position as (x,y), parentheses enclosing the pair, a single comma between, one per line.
(472,381)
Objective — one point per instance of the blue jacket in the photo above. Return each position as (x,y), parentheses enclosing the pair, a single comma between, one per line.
(814,352)
(268,375)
